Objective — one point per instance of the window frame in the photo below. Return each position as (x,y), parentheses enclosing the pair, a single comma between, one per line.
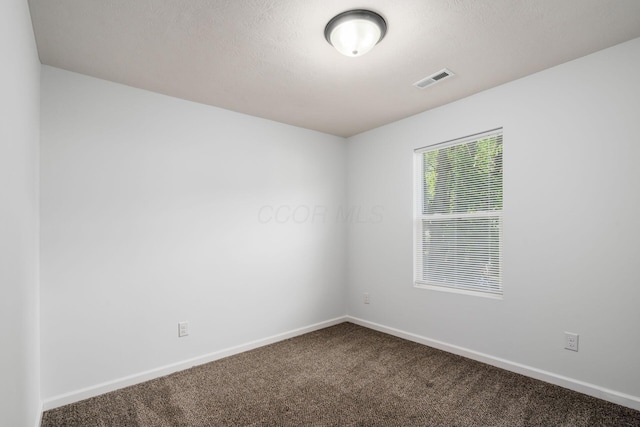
(419,216)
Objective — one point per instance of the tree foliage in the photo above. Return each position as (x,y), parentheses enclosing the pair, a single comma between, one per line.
(464,178)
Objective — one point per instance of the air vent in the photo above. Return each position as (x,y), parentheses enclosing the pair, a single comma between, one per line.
(433,79)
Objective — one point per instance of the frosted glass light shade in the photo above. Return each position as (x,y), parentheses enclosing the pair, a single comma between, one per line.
(355,32)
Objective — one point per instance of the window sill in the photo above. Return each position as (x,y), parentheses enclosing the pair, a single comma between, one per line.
(458,291)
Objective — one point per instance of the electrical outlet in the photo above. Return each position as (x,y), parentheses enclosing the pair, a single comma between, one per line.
(366,300)
(571,341)
(183,329)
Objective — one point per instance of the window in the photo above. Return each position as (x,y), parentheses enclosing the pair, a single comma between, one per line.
(458,222)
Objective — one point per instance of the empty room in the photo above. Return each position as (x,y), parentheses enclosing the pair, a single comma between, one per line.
(291,213)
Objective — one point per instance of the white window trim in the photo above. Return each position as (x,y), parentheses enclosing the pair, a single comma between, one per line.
(419,216)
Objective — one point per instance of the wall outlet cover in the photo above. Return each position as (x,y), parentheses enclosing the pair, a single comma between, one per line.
(183,329)
(571,341)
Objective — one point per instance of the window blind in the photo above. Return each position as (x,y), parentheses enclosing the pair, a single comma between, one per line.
(458,221)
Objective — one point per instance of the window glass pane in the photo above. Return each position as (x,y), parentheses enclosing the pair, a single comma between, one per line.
(463,178)
(462,252)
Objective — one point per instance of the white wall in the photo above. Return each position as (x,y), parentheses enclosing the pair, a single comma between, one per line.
(19,300)
(571,229)
(157,210)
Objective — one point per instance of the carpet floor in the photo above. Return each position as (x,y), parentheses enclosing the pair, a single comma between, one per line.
(345,375)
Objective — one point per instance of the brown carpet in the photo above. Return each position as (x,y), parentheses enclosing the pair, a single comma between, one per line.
(345,375)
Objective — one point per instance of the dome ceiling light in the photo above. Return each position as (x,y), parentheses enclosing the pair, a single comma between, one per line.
(355,32)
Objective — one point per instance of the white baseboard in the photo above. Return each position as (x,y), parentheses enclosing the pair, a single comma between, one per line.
(560,380)
(570,383)
(85,393)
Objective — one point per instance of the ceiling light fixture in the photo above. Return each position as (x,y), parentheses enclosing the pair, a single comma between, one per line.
(355,32)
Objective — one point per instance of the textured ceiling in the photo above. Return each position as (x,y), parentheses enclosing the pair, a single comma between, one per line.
(269,58)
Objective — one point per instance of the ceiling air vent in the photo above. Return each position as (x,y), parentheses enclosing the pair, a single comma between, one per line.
(434,78)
